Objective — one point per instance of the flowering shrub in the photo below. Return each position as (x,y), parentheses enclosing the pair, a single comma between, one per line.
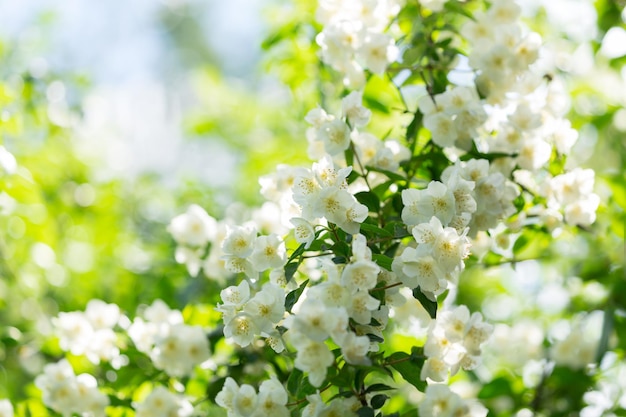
(345,295)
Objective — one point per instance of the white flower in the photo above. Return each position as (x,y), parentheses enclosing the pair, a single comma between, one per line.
(303,231)
(378,51)
(354,348)
(450,249)
(162,403)
(331,292)
(6,408)
(435,369)
(269,252)
(225,397)
(160,313)
(272,399)
(534,154)
(578,348)
(67,393)
(361,305)
(563,136)
(314,319)
(242,329)
(274,340)
(179,351)
(238,265)
(477,332)
(360,275)
(583,212)
(352,109)
(335,135)
(317,117)
(504,11)
(194,228)
(239,241)
(102,315)
(421,205)
(420,269)
(454,323)
(442,129)
(191,258)
(313,357)
(439,401)
(267,307)
(245,401)
(233,299)
(8,163)
(143,334)
(74,331)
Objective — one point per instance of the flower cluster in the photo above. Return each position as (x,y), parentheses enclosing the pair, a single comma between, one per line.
(316,407)
(331,259)
(246,317)
(611,389)
(502,51)
(353,37)
(453,117)
(327,310)
(90,333)
(576,343)
(163,403)
(193,231)
(454,341)
(572,194)
(69,394)
(322,192)
(244,401)
(440,401)
(172,345)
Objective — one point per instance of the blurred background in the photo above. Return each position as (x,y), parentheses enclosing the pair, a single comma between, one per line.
(117,115)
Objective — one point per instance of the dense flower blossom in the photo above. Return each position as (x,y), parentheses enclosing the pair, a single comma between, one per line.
(454,341)
(353,40)
(162,403)
(441,401)
(67,393)
(90,333)
(172,345)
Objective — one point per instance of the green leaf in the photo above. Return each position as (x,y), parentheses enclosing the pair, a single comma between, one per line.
(345,377)
(294,380)
(380,189)
(378,401)
(214,388)
(290,270)
(369,199)
(391,175)
(382,261)
(374,104)
(349,155)
(375,230)
(409,366)
(378,388)
(114,401)
(520,243)
(299,251)
(365,412)
(456,7)
(292,298)
(276,37)
(375,338)
(496,388)
(429,305)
